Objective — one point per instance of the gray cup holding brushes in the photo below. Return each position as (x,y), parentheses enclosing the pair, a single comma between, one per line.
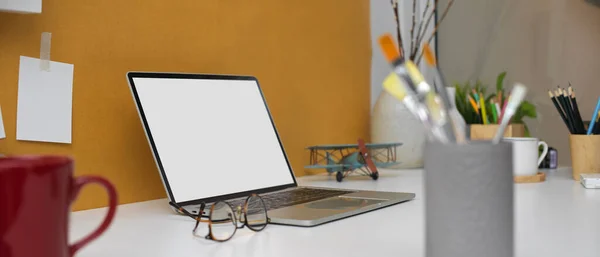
(469,199)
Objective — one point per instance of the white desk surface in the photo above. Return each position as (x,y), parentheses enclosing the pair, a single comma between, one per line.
(555,218)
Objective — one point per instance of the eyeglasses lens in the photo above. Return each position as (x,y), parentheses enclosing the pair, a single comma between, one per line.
(256,213)
(223,224)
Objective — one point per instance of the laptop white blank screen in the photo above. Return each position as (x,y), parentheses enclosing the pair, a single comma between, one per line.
(213,137)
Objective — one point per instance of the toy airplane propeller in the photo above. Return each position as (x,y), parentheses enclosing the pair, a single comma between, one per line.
(346,158)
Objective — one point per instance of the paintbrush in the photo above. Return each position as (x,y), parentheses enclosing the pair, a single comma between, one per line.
(457,121)
(399,89)
(405,89)
(516,97)
(394,57)
(427,95)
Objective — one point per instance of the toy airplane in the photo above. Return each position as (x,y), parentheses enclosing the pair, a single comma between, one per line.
(346,158)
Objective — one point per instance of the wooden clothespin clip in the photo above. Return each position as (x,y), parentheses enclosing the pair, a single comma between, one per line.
(45,51)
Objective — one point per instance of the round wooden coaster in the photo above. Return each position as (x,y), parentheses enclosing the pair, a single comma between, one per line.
(540,177)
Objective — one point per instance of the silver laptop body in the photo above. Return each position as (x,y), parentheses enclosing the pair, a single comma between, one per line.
(161,96)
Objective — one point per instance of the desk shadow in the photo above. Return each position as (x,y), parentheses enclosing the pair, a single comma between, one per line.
(257,243)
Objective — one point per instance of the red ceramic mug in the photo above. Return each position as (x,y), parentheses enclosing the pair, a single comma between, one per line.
(36,193)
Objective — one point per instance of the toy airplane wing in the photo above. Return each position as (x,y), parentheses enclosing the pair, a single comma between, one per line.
(382,145)
(355,146)
(332,147)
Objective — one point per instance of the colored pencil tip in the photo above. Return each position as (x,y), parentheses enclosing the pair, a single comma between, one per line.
(428,54)
(550,93)
(390,51)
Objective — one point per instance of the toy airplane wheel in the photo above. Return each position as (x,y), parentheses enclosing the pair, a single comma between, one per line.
(375,175)
(339,176)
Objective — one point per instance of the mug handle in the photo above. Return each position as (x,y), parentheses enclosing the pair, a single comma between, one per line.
(544,152)
(80,182)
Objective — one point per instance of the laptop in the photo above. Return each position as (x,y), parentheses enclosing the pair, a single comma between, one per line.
(213,138)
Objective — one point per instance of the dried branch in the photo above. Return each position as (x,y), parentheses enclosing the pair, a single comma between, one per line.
(415,48)
(429,19)
(395,8)
(412,29)
(437,26)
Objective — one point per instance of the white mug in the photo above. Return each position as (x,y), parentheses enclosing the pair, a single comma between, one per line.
(526,158)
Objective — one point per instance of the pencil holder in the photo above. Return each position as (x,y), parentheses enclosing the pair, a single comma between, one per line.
(487,131)
(585,154)
(468,199)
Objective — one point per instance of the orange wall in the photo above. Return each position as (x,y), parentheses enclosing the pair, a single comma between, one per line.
(311,57)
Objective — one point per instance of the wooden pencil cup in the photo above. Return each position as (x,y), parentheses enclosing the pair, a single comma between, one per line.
(487,132)
(585,154)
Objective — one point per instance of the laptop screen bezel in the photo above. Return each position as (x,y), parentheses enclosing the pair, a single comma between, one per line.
(148,132)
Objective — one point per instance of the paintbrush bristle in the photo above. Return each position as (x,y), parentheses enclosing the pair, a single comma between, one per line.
(414,72)
(394,86)
(517,95)
(429,57)
(390,51)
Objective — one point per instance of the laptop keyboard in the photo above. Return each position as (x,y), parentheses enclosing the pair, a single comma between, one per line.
(293,197)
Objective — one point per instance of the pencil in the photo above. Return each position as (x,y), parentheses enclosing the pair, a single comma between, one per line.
(593,121)
(504,108)
(483,111)
(567,110)
(494,114)
(474,105)
(475,96)
(576,112)
(560,111)
(576,128)
(499,97)
(596,129)
(497,105)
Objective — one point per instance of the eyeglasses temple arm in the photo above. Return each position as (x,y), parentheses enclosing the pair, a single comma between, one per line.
(184,211)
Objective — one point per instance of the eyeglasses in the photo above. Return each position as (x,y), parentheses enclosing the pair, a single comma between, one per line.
(223,221)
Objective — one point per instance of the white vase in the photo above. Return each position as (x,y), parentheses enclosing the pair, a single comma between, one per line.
(391,122)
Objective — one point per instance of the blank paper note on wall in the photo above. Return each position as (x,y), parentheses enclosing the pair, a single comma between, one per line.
(45,99)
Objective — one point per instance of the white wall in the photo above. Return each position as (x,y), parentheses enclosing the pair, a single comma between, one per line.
(21,6)
(382,21)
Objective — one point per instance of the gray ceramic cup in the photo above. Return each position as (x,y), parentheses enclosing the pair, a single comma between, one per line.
(468,199)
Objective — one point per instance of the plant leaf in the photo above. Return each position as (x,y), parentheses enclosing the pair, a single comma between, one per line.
(528,109)
(500,81)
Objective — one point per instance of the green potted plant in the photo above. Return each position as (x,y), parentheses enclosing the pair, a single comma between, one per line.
(468,103)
